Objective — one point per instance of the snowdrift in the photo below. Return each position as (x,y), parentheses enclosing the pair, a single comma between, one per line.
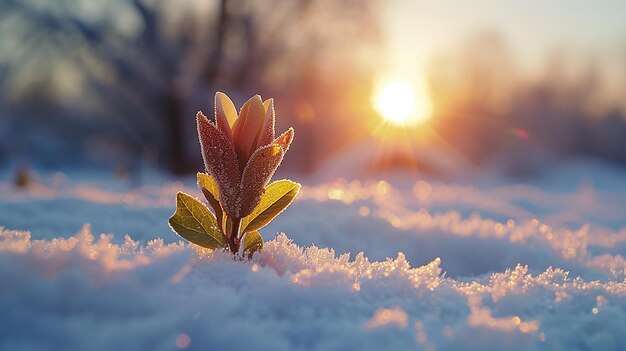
(363,265)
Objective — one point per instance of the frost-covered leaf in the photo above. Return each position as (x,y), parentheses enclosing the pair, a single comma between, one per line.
(256,175)
(211,192)
(266,135)
(194,222)
(221,162)
(285,139)
(252,242)
(277,197)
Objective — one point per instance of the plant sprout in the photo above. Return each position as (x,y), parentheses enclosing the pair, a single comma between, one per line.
(241,154)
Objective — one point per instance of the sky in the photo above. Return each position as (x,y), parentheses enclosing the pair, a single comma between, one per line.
(418,30)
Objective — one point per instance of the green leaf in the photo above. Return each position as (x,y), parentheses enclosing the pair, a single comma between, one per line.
(212,193)
(194,222)
(275,199)
(252,242)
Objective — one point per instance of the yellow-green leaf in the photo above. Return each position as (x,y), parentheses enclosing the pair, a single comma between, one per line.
(207,182)
(252,242)
(275,199)
(194,222)
(211,192)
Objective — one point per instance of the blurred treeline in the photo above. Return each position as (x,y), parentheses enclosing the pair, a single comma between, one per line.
(118,82)
(495,112)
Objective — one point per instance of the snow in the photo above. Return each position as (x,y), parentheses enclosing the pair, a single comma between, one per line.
(402,263)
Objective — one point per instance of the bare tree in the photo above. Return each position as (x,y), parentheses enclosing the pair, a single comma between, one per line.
(141,63)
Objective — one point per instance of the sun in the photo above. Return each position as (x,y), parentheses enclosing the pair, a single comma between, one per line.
(401,105)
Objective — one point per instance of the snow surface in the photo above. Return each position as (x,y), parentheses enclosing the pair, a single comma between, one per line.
(495,264)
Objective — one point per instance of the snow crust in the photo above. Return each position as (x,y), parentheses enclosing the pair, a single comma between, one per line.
(498,266)
(86,293)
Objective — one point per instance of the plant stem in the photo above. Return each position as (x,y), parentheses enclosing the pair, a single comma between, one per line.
(234,241)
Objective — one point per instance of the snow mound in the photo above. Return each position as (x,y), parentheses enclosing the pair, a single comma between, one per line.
(81,292)
(490,265)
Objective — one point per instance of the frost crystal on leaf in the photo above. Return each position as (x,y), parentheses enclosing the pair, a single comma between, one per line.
(241,156)
(257,174)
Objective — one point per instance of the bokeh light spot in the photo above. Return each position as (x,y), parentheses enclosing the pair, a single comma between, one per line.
(183,341)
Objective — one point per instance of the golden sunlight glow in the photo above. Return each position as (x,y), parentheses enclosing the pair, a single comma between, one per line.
(401,105)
